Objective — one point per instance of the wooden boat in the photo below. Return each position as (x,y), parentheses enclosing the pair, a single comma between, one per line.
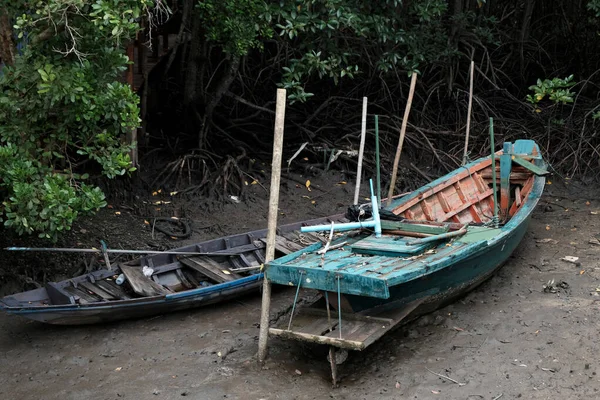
(442,241)
(218,270)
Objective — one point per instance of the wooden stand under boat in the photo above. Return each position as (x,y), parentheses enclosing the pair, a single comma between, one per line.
(436,244)
(356,331)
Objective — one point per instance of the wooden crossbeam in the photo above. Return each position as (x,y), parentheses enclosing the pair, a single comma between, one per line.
(140,283)
(530,166)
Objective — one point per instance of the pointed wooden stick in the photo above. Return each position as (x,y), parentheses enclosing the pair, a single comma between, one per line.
(413,83)
(469,112)
(361,150)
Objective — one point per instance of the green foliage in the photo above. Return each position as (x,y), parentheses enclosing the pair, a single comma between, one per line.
(594,6)
(558,90)
(61,107)
(236,25)
(337,39)
(332,38)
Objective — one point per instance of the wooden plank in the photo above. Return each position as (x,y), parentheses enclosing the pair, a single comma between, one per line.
(346,316)
(480,197)
(113,289)
(314,237)
(407,233)
(364,332)
(530,166)
(397,315)
(285,246)
(319,326)
(443,201)
(445,205)
(210,268)
(523,194)
(514,176)
(414,227)
(427,210)
(476,214)
(453,226)
(518,196)
(97,290)
(84,297)
(141,284)
(184,281)
(483,187)
(479,233)
(349,327)
(479,183)
(385,245)
(306,337)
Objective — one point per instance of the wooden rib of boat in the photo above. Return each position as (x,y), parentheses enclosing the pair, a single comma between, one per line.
(228,267)
(442,242)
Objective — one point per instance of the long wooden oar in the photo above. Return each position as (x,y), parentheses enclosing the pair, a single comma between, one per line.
(413,83)
(227,252)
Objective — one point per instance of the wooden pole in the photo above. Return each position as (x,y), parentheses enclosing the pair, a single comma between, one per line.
(493,156)
(377,161)
(361,150)
(272,222)
(413,82)
(469,112)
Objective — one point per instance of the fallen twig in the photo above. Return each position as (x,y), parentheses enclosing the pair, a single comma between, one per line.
(446,377)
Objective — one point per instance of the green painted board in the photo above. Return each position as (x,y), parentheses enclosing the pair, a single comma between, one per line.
(388,245)
(410,227)
(532,167)
(479,233)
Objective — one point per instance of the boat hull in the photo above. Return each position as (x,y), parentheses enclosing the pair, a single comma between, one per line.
(38,304)
(451,282)
(144,307)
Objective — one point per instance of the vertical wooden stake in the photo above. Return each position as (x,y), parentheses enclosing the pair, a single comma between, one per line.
(413,82)
(493,156)
(377,161)
(469,112)
(272,222)
(361,150)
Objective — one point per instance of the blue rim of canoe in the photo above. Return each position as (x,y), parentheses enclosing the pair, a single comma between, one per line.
(246,281)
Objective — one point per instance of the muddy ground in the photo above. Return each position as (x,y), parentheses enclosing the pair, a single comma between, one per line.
(508,339)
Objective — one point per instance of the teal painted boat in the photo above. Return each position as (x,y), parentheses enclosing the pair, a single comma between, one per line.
(435,244)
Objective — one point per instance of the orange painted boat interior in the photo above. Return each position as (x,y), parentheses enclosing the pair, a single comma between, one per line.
(467,197)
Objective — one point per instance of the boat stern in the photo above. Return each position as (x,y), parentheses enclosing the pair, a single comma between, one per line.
(306,269)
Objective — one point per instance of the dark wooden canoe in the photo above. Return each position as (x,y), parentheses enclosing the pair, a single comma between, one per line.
(442,242)
(177,282)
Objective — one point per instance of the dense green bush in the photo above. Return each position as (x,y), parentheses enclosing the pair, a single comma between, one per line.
(63,110)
